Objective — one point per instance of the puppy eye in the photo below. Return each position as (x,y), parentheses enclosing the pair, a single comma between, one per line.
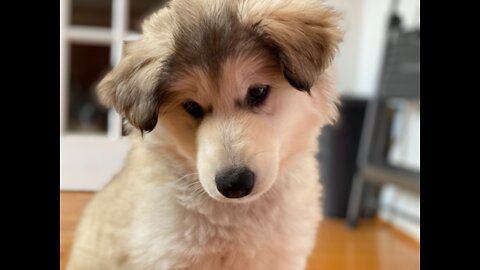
(193,108)
(257,94)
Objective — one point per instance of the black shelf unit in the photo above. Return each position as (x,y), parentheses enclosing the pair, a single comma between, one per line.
(400,80)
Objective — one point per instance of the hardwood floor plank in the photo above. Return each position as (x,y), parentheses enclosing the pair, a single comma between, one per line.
(374,245)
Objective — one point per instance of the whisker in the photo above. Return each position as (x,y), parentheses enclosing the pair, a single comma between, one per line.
(183,177)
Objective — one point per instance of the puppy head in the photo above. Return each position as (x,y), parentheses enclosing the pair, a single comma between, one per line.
(238,86)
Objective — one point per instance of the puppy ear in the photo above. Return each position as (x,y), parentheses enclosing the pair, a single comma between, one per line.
(304,34)
(134,87)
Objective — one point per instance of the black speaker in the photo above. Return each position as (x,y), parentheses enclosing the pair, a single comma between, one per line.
(337,156)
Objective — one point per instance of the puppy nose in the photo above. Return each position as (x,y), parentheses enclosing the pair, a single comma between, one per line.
(235,182)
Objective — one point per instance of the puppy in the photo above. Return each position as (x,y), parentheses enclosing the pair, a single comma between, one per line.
(225,100)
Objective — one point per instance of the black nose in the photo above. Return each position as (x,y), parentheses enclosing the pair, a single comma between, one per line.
(235,182)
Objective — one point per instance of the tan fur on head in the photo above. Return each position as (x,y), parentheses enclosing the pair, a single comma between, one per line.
(303,35)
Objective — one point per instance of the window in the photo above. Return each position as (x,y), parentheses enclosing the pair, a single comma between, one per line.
(92,32)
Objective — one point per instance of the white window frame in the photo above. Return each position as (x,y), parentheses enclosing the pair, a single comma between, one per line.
(89,161)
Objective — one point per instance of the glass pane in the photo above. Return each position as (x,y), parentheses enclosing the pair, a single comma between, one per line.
(140,9)
(87,66)
(92,12)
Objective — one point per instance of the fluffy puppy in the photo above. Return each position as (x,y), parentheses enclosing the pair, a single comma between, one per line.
(226,100)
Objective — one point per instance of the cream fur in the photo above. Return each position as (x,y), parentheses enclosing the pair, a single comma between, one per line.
(162,210)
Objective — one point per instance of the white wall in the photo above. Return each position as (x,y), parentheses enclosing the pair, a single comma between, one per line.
(348,54)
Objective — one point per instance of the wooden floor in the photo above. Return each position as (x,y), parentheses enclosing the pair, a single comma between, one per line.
(373,245)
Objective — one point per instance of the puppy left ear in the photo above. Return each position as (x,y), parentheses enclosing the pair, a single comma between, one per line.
(304,34)
(135,87)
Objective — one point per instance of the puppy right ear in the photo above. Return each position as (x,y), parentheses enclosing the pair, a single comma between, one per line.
(135,87)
